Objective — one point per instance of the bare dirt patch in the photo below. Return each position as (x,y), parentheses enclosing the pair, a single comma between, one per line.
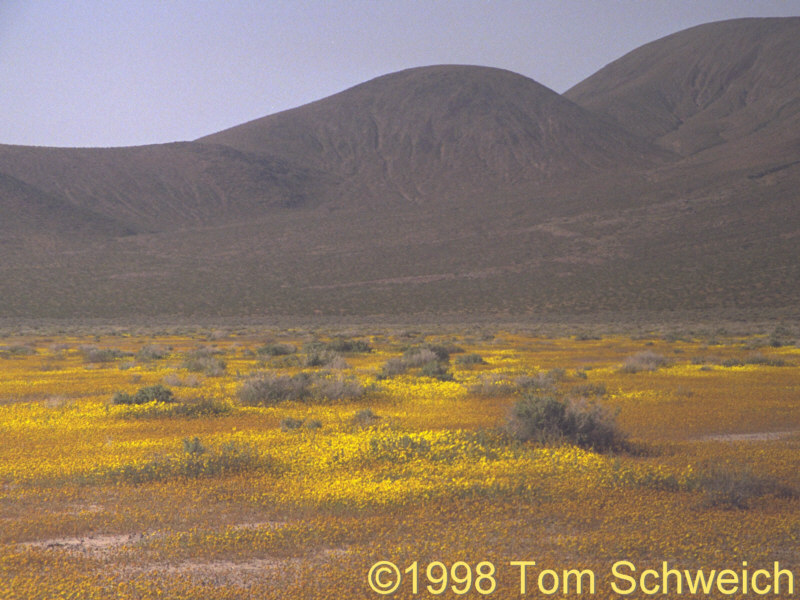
(90,544)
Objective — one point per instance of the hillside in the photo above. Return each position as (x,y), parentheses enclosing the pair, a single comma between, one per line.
(441,133)
(667,183)
(705,86)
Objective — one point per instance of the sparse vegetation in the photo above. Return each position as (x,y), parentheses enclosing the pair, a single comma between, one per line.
(268,389)
(508,453)
(548,419)
(644,361)
(737,487)
(470,359)
(93,354)
(151,393)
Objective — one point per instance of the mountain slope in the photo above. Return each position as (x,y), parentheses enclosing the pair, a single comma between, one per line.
(443,189)
(704,86)
(431,133)
(164,187)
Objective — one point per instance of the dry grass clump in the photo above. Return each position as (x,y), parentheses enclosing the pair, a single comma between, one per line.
(151,352)
(204,360)
(644,361)
(268,388)
(175,380)
(93,354)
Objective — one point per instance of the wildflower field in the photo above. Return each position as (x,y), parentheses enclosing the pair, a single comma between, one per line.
(306,464)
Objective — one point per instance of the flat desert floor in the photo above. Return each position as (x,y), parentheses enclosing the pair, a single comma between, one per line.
(309,464)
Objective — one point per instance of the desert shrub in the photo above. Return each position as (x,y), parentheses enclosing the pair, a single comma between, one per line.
(493,384)
(268,389)
(441,351)
(418,357)
(276,350)
(365,418)
(643,361)
(548,418)
(737,486)
(436,370)
(211,366)
(291,424)
(313,424)
(152,352)
(17,350)
(318,356)
(411,359)
(589,389)
(349,346)
(336,387)
(470,359)
(197,460)
(756,359)
(191,408)
(176,381)
(392,367)
(93,354)
(496,384)
(152,393)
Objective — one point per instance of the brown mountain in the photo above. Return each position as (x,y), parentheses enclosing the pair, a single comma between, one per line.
(666,182)
(441,133)
(705,86)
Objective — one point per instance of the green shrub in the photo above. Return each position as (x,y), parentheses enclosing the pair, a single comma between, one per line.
(470,359)
(365,418)
(276,350)
(192,408)
(211,366)
(756,359)
(93,354)
(152,393)
(291,424)
(589,389)
(436,370)
(548,419)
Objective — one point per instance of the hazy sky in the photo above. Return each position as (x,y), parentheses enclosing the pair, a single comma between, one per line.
(127,72)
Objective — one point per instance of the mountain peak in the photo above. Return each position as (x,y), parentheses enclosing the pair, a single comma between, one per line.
(439,130)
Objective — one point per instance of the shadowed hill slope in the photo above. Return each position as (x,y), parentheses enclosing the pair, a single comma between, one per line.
(705,86)
(163,187)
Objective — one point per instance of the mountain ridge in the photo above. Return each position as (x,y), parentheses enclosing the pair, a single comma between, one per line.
(443,189)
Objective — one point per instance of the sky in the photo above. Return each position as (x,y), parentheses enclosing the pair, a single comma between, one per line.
(132,72)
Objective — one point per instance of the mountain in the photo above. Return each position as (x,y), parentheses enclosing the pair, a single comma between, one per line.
(162,187)
(442,132)
(664,184)
(705,86)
